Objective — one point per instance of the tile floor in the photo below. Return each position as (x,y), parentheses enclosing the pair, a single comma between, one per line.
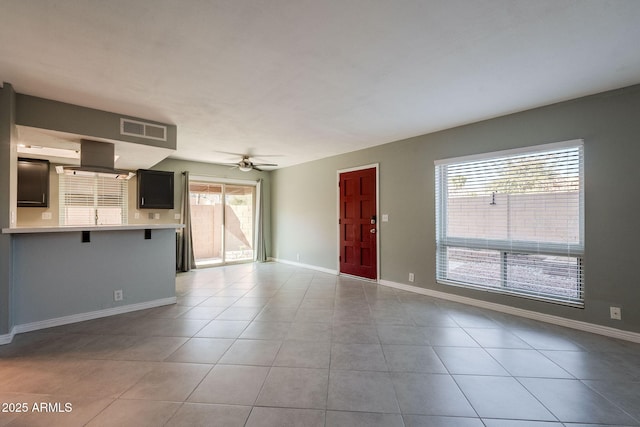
(274,345)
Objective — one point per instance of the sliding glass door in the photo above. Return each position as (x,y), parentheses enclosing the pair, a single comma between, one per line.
(207,222)
(238,230)
(222,217)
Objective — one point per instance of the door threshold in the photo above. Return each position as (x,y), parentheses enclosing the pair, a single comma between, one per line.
(365,279)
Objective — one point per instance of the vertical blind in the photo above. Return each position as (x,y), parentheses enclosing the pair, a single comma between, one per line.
(92,200)
(513,222)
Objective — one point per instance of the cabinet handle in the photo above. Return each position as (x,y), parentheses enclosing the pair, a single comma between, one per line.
(42,197)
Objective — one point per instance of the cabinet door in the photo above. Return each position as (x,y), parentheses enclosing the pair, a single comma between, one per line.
(33,183)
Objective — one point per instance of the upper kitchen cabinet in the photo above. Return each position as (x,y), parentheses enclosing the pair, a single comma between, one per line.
(155,189)
(33,183)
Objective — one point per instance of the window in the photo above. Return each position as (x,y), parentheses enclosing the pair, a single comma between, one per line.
(92,200)
(513,222)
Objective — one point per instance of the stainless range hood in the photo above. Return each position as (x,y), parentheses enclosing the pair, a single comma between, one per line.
(96,158)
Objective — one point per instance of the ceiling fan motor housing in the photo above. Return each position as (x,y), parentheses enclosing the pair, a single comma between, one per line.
(245,165)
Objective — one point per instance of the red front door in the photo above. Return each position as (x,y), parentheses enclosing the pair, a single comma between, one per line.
(358,223)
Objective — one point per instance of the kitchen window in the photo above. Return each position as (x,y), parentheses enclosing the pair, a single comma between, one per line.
(92,200)
(513,222)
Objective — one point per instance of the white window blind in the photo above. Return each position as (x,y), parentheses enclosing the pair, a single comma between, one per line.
(513,222)
(92,200)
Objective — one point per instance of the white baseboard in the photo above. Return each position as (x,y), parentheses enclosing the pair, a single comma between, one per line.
(74,318)
(534,315)
(308,266)
(7,338)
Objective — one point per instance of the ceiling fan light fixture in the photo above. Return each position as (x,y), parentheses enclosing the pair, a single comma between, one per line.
(245,164)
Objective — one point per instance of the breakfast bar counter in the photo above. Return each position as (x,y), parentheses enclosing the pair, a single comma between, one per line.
(71,228)
(67,274)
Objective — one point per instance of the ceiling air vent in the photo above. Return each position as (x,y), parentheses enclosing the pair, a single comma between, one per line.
(143,130)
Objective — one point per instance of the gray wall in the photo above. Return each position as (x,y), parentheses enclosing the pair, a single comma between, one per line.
(304,202)
(74,278)
(223,172)
(55,115)
(7,200)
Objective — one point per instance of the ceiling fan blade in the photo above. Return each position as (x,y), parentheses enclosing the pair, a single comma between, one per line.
(251,153)
(246,159)
(256,156)
(248,154)
(226,164)
(229,153)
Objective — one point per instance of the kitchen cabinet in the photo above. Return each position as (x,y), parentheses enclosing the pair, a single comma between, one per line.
(33,183)
(155,189)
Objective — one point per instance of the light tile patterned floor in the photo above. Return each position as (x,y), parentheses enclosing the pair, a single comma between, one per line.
(275,345)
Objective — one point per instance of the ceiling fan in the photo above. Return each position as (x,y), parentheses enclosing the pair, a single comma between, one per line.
(246,165)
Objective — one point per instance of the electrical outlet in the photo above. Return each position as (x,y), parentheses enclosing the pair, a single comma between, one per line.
(46,215)
(616,313)
(118,295)
(411,277)
(156,216)
(136,215)
(176,216)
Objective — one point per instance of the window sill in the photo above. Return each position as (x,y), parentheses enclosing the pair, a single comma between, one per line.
(503,291)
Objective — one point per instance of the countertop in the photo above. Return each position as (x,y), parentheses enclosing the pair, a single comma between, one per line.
(64,229)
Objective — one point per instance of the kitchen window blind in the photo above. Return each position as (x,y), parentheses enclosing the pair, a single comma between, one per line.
(513,222)
(92,200)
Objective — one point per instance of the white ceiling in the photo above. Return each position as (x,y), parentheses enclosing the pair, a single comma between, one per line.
(307,79)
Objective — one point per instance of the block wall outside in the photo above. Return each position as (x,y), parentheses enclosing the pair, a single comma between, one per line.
(516,216)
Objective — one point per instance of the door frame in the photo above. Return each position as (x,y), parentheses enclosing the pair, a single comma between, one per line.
(375,166)
(231,181)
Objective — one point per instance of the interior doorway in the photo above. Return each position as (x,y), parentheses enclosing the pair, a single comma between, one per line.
(358,222)
(222,221)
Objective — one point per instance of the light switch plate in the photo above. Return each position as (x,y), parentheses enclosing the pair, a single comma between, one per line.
(385,218)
